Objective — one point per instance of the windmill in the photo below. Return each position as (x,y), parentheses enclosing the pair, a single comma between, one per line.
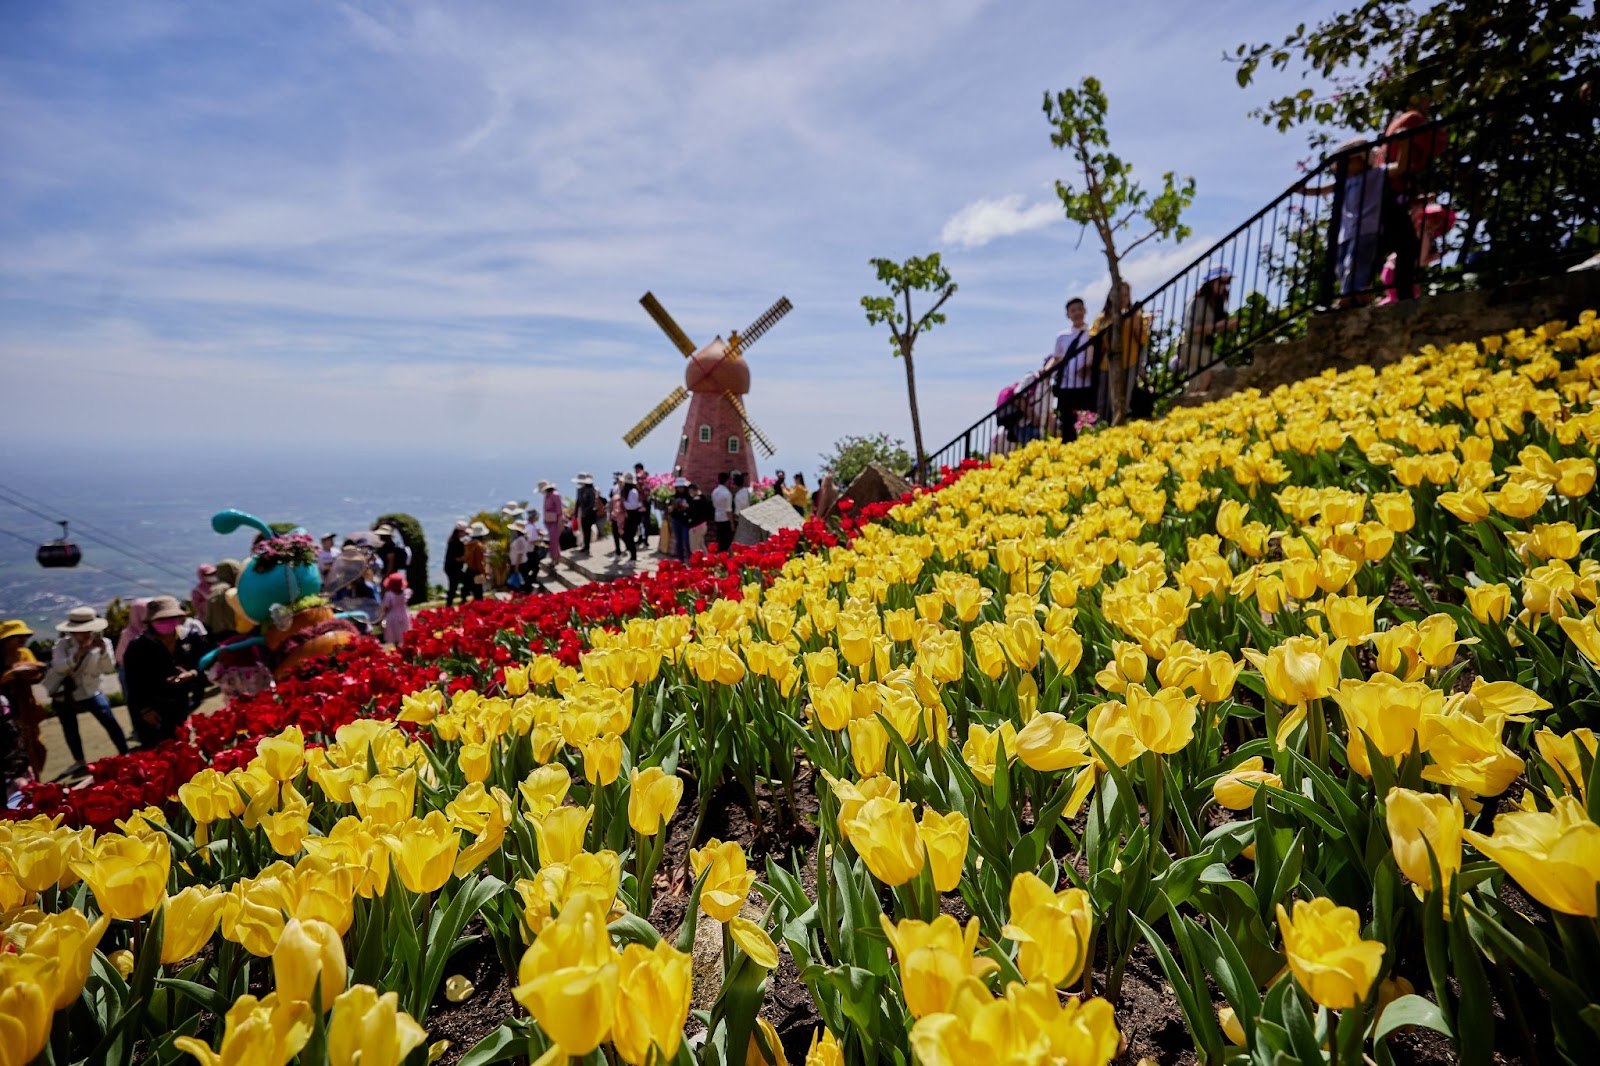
(718,431)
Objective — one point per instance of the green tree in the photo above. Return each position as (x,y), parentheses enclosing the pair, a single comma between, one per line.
(1516,87)
(851,455)
(1457,56)
(920,274)
(1103,194)
(417,569)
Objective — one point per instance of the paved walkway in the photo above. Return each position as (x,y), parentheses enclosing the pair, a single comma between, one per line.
(575,571)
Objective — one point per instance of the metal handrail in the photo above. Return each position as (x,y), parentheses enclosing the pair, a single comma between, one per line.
(1297,255)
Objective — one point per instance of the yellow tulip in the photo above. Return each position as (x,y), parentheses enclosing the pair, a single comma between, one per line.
(1585,635)
(1351,618)
(368,1029)
(1228,1022)
(869,746)
(1300,669)
(1575,476)
(560,833)
(387,799)
(884,833)
(424,852)
(1385,710)
(1164,722)
(1394,510)
(568,978)
(286,828)
(127,874)
(252,912)
(474,760)
(1214,679)
(934,958)
(1029,1024)
(27,1007)
(258,1032)
(192,917)
(653,994)
(653,796)
(1051,929)
(543,790)
(1517,499)
(981,750)
(1419,822)
(1111,728)
(602,759)
(824,1050)
(1236,790)
(1554,855)
(69,939)
(284,755)
(42,860)
(764,1049)
(1489,603)
(1561,754)
(1326,953)
(729,880)
(1470,506)
(306,953)
(945,837)
(1049,742)
(1467,754)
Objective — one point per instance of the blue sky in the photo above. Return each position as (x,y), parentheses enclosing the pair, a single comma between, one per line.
(426,226)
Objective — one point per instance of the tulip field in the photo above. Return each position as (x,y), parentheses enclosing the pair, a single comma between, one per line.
(1280,707)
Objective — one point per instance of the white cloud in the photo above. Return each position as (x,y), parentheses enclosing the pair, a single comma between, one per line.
(983,220)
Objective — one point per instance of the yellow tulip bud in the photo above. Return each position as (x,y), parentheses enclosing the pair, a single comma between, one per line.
(945,837)
(474,761)
(367,1029)
(27,1004)
(1419,822)
(560,833)
(283,756)
(544,789)
(602,759)
(653,797)
(869,746)
(424,851)
(1236,790)
(884,832)
(306,953)
(1489,603)
(1326,953)
(653,995)
(824,1050)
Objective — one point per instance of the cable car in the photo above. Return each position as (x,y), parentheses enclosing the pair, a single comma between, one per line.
(59,553)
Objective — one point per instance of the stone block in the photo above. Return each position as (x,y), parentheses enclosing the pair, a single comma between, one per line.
(761,520)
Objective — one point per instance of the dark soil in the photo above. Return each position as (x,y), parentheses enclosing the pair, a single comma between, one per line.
(491,1003)
(1149,1015)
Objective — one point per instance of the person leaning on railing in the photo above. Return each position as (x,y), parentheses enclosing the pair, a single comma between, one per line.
(1206,316)
(1135,336)
(1071,371)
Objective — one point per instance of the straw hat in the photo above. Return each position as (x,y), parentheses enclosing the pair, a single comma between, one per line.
(478,529)
(83,620)
(518,526)
(463,526)
(583,478)
(512,507)
(629,479)
(546,486)
(14,627)
(161,607)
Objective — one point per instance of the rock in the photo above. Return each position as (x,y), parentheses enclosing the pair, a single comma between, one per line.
(876,484)
(761,520)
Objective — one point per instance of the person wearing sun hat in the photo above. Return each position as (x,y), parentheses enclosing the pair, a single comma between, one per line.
(82,656)
(475,560)
(1207,316)
(162,669)
(18,672)
(554,513)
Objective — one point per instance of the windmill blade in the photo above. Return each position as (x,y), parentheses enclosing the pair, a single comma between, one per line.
(668,326)
(765,445)
(657,415)
(754,331)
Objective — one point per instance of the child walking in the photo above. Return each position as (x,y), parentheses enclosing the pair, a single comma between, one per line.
(392,609)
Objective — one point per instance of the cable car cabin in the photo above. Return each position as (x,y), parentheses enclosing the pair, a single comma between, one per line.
(55,555)
(59,553)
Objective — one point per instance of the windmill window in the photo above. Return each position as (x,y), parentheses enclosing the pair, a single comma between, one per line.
(683,444)
(705,434)
(733,445)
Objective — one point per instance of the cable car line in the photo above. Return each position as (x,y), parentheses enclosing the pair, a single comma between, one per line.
(147,558)
(92,566)
(100,540)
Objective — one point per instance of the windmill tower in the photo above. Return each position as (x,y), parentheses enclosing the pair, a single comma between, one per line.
(717,432)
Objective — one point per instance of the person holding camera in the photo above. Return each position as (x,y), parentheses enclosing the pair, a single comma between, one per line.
(81,657)
(162,667)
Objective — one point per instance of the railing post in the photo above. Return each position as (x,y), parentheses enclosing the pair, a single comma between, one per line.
(1331,252)
(966,445)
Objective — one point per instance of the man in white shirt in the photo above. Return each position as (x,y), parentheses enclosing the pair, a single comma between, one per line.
(81,657)
(741,496)
(1072,368)
(722,512)
(327,553)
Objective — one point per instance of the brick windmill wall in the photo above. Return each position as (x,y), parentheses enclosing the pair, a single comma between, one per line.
(713,437)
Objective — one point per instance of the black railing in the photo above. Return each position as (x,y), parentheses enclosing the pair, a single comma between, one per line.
(1426,210)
